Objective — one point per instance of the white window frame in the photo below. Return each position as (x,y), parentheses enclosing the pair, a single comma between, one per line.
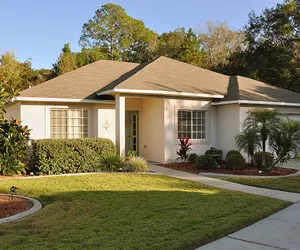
(192,125)
(68,108)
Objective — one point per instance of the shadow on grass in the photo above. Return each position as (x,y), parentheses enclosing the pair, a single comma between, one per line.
(135,219)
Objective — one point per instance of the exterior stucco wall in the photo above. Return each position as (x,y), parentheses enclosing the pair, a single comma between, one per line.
(152,129)
(14,111)
(229,125)
(171,107)
(37,117)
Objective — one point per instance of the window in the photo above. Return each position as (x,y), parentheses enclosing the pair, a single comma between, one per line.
(191,124)
(68,123)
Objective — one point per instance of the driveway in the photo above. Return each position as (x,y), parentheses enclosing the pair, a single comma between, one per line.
(292,164)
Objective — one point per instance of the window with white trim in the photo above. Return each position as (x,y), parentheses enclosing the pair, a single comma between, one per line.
(68,123)
(191,124)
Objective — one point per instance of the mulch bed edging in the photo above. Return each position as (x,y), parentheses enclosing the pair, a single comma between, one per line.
(222,171)
(36,205)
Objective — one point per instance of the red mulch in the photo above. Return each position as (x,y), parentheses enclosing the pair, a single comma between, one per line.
(191,168)
(9,207)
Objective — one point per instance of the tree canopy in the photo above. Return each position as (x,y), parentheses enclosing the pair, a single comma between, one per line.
(122,36)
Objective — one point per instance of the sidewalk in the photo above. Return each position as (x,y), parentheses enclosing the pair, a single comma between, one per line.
(287,196)
(278,231)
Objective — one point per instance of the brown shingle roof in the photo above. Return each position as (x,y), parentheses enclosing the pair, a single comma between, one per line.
(82,83)
(163,74)
(166,74)
(243,88)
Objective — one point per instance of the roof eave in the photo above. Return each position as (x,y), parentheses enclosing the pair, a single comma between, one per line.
(64,100)
(270,103)
(160,92)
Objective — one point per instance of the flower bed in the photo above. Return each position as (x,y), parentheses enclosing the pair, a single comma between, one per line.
(9,206)
(191,168)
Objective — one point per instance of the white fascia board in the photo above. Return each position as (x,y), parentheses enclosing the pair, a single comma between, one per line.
(257,103)
(158,92)
(46,99)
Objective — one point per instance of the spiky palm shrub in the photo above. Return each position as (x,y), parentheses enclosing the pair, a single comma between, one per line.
(249,142)
(265,122)
(285,139)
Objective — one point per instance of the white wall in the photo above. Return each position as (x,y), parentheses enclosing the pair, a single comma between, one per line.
(171,107)
(37,117)
(106,123)
(14,111)
(229,125)
(152,129)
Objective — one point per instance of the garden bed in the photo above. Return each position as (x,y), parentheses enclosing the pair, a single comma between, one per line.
(10,206)
(191,168)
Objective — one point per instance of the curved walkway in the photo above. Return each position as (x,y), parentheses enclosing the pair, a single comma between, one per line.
(278,231)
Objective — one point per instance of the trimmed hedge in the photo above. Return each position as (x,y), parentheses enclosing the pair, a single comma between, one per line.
(60,156)
(192,157)
(205,162)
(231,152)
(235,161)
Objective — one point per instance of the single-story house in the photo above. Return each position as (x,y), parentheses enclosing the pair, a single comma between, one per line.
(147,107)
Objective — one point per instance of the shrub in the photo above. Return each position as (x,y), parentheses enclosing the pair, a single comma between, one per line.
(13,146)
(205,162)
(58,156)
(231,152)
(131,153)
(112,163)
(216,153)
(192,157)
(235,161)
(184,148)
(269,160)
(135,164)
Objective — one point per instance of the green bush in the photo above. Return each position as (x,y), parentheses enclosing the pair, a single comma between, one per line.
(231,152)
(235,161)
(269,160)
(192,157)
(59,156)
(132,153)
(216,153)
(112,163)
(135,164)
(13,146)
(205,162)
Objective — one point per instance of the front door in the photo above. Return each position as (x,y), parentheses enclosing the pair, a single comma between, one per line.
(131,131)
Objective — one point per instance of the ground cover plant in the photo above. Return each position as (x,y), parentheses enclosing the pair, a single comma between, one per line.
(128,211)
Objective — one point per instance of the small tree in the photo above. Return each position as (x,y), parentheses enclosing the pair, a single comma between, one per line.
(184,148)
(286,139)
(13,137)
(249,141)
(265,122)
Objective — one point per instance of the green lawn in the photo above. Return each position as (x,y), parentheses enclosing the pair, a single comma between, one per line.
(128,211)
(289,184)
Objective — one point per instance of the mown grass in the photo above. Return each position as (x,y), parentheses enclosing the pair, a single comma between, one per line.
(288,184)
(128,211)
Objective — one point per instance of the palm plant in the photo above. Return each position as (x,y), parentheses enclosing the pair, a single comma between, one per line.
(265,122)
(249,141)
(286,139)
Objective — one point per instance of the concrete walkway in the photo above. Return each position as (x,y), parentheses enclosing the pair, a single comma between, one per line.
(278,231)
(293,197)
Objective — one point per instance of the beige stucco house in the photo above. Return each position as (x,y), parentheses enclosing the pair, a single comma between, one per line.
(147,107)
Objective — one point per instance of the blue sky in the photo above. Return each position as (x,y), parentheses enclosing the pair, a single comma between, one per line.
(38,29)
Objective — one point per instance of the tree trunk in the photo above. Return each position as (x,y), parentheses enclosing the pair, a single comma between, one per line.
(253,160)
(279,158)
(263,155)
